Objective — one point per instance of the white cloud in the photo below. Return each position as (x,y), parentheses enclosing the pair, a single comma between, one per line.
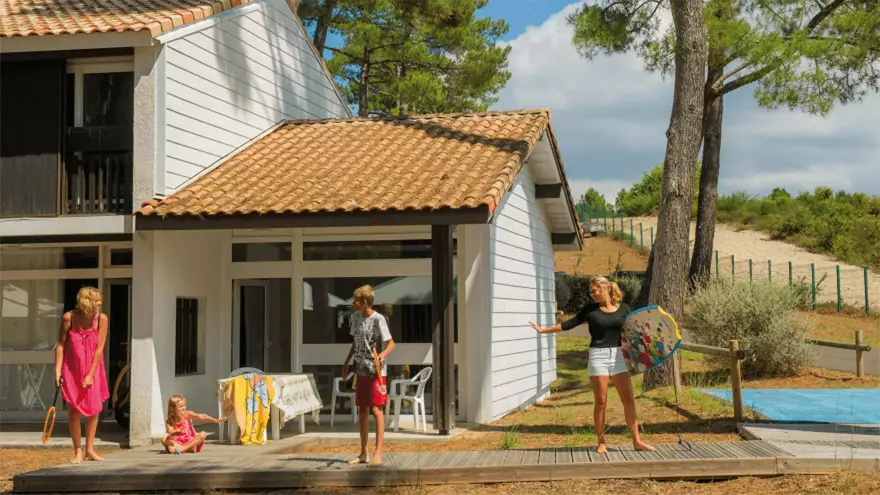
(607,188)
(610,118)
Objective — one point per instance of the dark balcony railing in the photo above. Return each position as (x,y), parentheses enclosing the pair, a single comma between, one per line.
(97,171)
(96,183)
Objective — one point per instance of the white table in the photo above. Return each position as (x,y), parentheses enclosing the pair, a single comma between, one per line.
(295,395)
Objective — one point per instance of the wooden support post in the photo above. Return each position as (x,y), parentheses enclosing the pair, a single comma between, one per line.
(860,355)
(443,329)
(736,380)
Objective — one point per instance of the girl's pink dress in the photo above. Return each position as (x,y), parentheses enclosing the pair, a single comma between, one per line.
(79,352)
(187,433)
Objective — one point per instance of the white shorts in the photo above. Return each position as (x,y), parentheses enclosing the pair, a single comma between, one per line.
(606,362)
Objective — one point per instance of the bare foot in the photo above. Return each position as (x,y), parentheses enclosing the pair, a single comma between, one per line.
(78,457)
(376,461)
(361,459)
(602,449)
(92,456)
(643,446)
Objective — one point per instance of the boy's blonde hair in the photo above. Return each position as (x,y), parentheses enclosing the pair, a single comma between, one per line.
(365,293)
(173,417)
(87,300)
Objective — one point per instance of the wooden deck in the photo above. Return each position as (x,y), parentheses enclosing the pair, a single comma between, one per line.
(149,470)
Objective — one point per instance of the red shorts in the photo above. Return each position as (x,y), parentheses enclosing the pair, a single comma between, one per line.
(369,392)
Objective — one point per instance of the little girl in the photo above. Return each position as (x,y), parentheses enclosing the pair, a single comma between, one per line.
(180,435)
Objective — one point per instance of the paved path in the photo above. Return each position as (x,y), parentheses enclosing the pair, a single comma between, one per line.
(239,467)
(757,246)
(829,357)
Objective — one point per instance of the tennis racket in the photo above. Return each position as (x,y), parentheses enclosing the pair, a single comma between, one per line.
(49,424)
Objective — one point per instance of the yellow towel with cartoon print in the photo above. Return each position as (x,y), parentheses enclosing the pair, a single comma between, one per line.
(249,397)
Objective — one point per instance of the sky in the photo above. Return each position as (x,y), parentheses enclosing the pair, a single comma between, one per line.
(610,117)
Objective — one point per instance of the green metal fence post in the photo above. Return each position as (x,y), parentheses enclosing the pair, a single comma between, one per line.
(839,300)
(641,236)
(769,271)
(613,222)
(750,271)
(733,266)
(790,274)
(813,282)
(605,218)
(632,237)
(652,237)
(717,273)
(867,304)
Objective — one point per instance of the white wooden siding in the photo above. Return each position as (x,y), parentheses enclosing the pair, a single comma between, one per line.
(523,290)
(228,83)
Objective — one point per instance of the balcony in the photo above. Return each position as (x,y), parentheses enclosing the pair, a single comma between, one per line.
(65,138)
(97,172)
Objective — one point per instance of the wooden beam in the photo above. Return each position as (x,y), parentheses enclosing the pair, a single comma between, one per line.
(443,329)
(447,216)
(548,191)
(566,238)
(57,239)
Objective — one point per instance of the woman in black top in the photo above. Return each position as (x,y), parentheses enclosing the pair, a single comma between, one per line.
(605,317)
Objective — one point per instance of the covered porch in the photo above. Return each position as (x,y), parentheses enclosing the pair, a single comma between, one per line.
(279,300)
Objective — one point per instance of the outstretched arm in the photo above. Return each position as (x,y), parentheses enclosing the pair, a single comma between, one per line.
(205,417)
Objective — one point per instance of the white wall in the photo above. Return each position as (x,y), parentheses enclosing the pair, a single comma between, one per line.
(523,290)
(180,264)
(231,81)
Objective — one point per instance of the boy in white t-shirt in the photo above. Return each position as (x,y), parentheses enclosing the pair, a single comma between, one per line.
(370,333)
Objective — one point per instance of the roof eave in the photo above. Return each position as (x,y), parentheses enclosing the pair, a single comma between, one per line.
(443,216)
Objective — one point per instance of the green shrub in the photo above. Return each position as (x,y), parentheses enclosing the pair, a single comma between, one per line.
(761,316)
(563,292)
(630,286)
(579,293)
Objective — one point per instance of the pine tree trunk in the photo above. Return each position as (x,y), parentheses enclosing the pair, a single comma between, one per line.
(701,263)
(364,86)
(669,270)
(322,25)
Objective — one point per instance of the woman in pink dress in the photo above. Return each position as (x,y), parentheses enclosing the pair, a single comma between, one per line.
(79,368)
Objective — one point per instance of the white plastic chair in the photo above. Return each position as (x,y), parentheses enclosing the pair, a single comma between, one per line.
(398,394)
(231,425)
(337,392)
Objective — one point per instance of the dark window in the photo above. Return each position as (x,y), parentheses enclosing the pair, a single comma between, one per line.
(261,251)
(51,258)
(369,250)
(405,301)
(120,257)
(108,99)
(186,350)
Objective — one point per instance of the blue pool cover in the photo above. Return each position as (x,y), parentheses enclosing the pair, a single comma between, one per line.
(860,406)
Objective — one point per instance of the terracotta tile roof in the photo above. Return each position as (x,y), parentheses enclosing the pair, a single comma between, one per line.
(427,163)
(42,17)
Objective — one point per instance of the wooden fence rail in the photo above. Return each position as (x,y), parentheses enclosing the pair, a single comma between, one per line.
(860,349)
(736,355)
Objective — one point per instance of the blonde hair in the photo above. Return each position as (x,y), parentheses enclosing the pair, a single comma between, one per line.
(613,290)
(87,300)
(365,293)
(173,417)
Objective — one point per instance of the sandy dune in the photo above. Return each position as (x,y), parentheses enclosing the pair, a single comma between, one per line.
(744,245)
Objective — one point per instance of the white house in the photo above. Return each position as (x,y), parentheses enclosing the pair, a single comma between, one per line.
(200,166)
